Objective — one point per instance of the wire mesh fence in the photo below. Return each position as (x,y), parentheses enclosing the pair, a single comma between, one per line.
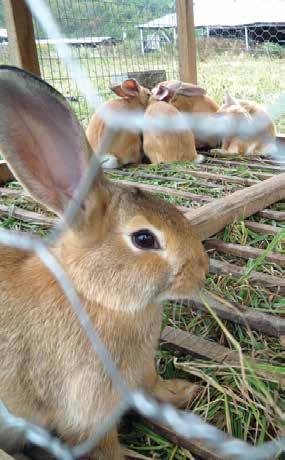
(247,59)
(106,40)
(186,424)
(113,41)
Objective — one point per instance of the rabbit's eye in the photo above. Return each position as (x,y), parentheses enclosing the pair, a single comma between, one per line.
(145,239)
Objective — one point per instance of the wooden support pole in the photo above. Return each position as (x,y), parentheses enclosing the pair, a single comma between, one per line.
(186,41)
(214,216)
(22,44)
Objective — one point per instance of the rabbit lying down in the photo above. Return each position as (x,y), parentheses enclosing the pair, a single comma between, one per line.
(125,146)
(190,98)
(125,252)
(263,142)
(166,147)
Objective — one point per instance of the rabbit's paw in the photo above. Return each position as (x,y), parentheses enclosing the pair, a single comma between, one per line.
(178,392)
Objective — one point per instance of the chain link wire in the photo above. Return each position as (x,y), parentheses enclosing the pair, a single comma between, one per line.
(183,423)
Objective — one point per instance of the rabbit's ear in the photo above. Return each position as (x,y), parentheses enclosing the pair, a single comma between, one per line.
(117,89)
(40,138)
(128,88)
(186,89)
(162,93)
(131,87)
(230,100)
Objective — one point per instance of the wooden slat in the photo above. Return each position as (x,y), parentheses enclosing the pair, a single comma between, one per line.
(257,320)
(26,216)
(214,216)
(160,177)
(177,339)
(225,167)
(220,177)
(251,165)
(197,448)
(166,190)
(245,252)
(262,228)
(272,214)
(22,45)
(274,283)
(186,41)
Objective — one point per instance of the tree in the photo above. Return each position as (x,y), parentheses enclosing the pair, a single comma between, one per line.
(103,18)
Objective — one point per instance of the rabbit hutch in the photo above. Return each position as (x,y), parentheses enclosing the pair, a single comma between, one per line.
(229,340)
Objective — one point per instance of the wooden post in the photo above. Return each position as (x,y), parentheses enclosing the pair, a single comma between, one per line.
(246,38)
(22,44)
(186,41)
(142,42)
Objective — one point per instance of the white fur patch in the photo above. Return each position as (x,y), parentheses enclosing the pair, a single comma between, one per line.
(109,161)
(200,159)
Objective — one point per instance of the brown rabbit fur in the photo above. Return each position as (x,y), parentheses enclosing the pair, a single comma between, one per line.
(167,147)
(50,373)
(191,98)
(126,146)
(263,142)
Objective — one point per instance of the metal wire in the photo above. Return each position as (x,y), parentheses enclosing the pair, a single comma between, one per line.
(186,424)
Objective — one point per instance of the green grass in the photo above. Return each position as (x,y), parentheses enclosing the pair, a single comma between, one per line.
(245,405)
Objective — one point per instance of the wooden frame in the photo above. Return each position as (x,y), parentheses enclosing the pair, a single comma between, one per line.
(186,41)
(20,28)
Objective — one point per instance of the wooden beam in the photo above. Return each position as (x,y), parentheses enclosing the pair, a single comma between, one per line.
(220,177)
(278,168)
(26,216)
(273,283)
(160,177)
(186,41)
(273,325)
(264,229)
(22,44)
(173,338)
(214,216)
(198,448)
(165,190)
(245,252)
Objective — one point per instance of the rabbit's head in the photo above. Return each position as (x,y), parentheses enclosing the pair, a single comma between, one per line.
(232,107)
(132,90)
(126,248)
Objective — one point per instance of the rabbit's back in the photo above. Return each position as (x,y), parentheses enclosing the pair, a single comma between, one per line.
(125,145)
(167,146)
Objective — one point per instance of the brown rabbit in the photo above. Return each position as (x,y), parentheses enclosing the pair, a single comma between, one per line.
(263,142)
(190,98)
(125,252)
(167,147)
(126,146)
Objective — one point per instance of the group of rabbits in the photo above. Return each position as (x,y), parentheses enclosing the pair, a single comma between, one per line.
(172,98)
